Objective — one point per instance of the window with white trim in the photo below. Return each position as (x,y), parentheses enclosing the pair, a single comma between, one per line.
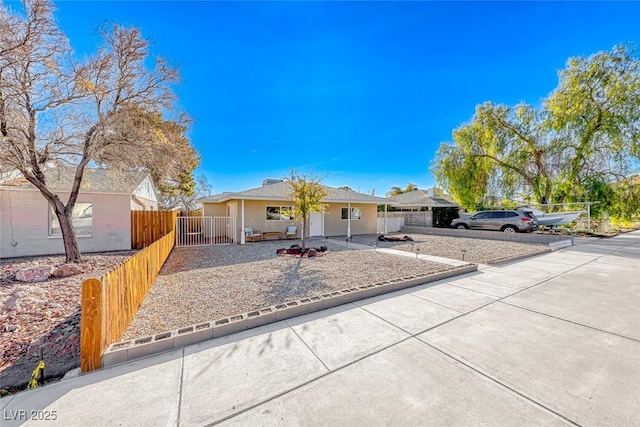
(356,213)
(81,220)
(280,213)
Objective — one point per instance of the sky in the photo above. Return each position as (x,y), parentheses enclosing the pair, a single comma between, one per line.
(355,93)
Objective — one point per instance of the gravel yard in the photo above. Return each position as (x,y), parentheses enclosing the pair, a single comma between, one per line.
(478,251)
(205,283)
(210,282)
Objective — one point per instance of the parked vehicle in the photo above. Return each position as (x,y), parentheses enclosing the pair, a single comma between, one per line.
(509,221)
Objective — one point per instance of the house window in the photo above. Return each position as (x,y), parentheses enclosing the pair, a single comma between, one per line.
(81,219)
(280,213)
(356,213)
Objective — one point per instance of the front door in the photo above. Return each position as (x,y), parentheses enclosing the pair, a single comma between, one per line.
(315,224)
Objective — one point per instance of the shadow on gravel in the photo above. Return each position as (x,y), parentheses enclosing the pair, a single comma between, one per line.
(292,285)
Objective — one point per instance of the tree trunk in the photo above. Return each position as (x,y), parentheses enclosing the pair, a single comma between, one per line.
(71,250)
(303,234)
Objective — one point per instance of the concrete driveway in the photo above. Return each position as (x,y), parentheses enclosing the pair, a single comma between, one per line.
(550,340)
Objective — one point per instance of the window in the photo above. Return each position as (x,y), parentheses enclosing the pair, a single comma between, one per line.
(81,219)
(280,213)
(511,214)
(356,213)
(481,215)
(498,215)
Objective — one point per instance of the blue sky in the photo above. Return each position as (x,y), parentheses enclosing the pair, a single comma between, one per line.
(359,93)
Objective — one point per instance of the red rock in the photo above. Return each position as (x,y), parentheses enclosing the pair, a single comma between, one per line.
(35,274)
(67,270)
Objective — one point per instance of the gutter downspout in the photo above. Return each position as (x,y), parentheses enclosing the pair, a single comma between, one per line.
(385,218)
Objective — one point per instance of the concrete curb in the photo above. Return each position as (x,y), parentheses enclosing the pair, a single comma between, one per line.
(126,351)
(519,257)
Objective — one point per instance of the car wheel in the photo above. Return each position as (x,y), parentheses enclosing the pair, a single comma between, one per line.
(461,227)
(509,229)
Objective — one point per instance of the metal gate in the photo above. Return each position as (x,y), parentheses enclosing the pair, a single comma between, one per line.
(205,230)
(224,230)
(193,230)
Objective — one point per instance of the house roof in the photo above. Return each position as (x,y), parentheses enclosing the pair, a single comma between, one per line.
(282,191)
(60,178)
(420,198)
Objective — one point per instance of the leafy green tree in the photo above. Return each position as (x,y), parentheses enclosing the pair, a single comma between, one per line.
(626,199)
(174,177)
(585,137)
(503,150)
(595,112)
(306,196)
(394,191)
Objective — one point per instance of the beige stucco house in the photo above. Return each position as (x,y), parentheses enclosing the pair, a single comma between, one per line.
(268,208)
(101,216)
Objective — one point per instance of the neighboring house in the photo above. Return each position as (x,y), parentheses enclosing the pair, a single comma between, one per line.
(269,208)
(417,206)
(422,200)
(101,216)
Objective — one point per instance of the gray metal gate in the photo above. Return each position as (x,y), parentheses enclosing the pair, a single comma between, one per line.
(224,230)
(205,230)
(193,230)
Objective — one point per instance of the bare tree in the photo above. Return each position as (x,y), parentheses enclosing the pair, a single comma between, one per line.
(183,194)
(106,110)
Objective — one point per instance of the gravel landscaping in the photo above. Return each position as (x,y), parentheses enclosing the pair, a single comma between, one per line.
(200,284)
(478,251)
(205,283)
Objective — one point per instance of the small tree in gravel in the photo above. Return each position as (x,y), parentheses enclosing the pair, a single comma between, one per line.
(305,196)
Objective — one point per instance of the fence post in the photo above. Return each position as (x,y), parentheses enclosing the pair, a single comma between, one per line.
(91,325)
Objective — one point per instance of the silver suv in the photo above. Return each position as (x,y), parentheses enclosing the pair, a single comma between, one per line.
(509,221)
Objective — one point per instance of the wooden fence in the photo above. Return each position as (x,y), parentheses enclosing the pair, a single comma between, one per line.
(110,303)
(149,226)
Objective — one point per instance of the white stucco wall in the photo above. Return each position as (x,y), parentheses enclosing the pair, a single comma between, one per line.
(24,224)
(145,194)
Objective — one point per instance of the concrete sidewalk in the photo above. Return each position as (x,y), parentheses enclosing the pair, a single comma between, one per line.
(549,340)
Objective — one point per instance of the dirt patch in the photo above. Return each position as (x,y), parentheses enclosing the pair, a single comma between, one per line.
(44,314)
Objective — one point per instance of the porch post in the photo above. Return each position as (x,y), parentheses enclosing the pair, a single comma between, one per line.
(242,241)
(349,219)
(385,218)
